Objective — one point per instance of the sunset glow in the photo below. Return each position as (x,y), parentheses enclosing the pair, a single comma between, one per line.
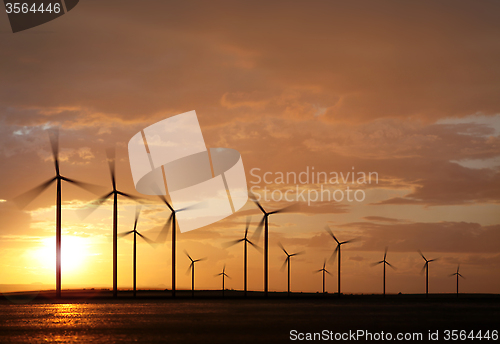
(74,254)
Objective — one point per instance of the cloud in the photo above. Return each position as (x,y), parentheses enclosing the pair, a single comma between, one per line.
(441,237)
(382,219)
(357,258)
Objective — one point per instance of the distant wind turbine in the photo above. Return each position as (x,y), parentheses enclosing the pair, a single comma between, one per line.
(384,262)
(224,275)
(337,250)
(264,222)
(323,270)
(458,275)
(287,262)
(26,198)
(135,232)
(171,223)
(426,268)
(95,204)
(191,267)
(245,241)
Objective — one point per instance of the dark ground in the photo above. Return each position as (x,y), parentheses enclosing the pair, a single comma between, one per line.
(93,315)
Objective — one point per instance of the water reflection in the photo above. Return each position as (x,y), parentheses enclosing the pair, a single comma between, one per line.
(106,322)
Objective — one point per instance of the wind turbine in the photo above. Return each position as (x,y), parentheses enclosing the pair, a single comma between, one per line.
(171,222)
(191,267)
(287,262)
(426,268)
(136,233)
(337,250)
(324,270)
(24,199)
(265,222)
(223,274)
(384,262)
(245,241)
(95,204)
(458,275)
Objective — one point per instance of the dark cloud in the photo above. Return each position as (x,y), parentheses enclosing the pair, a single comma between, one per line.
(442,237)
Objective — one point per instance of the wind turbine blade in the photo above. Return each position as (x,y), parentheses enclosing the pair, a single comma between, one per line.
(329,231)
(149,241)
(121,235)
(254,199)
(258,231)
(249,220)
(232,243)
(189,268)
(164,200)
(132,197)
(376,263)
(54,144)
(258,248)
(350,241)
(287,209)
(192,206)
(461,276)
(284,264)
(187,254)
(137,213)
(111,155)
(24,199)
(92,206)
(314,272)
(298,253)
(390,265)
(385,253)
(423,268)
(201,259)
(328,272)
(334,254)
(281,246)
(95,189)
(422,255)
(162,237)
(458,268)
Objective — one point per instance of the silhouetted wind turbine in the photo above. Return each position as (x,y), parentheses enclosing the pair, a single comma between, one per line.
(95,204)
(135,232)
(458,275)
(426,268)
(337,250)
(265,222)
(245,241)
(26,198)
(191,267)
(287,262)
(171,222)
(324,270)
(384,262)
(224,275)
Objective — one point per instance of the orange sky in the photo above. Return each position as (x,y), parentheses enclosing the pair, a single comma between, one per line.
(407,90)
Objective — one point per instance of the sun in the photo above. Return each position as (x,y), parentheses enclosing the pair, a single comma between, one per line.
(73,253)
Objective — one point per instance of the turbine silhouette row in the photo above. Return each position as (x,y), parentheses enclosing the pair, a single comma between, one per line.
(171,224)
